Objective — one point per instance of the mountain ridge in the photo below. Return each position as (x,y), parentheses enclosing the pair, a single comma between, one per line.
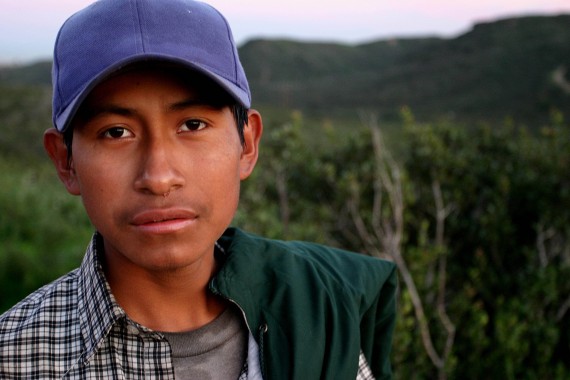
(496,70)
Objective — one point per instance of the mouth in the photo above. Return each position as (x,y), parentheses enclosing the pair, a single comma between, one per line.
(161,221)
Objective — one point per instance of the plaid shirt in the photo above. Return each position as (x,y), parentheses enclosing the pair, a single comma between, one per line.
(74,329)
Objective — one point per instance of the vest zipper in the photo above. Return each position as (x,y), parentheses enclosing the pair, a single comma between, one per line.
(262,328)
(262,332)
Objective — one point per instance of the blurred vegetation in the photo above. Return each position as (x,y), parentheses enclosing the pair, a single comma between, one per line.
(477,175)
(43,230)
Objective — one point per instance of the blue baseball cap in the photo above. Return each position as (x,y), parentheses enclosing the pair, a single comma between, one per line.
(109,35)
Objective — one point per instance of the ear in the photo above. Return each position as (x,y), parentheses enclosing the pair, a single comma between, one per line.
(252,134)
(57,151)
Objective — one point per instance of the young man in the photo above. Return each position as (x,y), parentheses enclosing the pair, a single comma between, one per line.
(153,130)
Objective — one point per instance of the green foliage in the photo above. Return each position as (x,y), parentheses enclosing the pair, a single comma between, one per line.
(43,231)
(25,113)
(508,188)
(278,200)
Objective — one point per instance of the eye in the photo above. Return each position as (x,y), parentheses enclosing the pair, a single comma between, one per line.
(193,125)
(117,133)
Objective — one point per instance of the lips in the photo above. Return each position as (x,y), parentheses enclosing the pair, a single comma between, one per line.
(163,220)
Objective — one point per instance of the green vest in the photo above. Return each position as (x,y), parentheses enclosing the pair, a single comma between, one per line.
(311,308)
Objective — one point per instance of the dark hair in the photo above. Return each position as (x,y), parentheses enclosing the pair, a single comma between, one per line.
(241,119)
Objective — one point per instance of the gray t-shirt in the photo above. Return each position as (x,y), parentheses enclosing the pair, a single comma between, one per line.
(215,351)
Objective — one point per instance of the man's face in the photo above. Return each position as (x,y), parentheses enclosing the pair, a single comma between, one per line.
(158,169)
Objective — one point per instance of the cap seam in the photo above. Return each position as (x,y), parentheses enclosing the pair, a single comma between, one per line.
(56,72)
(230,39)
(138,27)
(229,36)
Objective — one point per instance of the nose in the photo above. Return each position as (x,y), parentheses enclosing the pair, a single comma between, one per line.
(158,174)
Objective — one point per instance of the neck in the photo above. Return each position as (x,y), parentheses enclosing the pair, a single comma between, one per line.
(170,300)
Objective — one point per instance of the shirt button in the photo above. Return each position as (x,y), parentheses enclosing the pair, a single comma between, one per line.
(132,330)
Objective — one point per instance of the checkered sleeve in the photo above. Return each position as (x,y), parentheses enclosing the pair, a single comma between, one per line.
(39,336)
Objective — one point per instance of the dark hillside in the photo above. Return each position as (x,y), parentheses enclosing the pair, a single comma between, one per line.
(38,73)
(25,110)
(498,69)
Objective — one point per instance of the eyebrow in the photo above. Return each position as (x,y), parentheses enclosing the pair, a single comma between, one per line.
(189,103)
(88,113)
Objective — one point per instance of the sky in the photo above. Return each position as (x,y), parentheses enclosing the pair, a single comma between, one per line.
(28,27)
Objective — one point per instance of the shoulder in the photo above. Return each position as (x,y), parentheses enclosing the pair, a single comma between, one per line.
(42,326)
(295,260)
(42,309)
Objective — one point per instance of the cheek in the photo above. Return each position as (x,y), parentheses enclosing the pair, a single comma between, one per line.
(223,184)
(224,178)
(222,162)
(99,185)
(97,194)
(96,180)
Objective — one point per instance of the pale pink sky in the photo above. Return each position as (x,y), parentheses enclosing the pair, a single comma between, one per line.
(28,27)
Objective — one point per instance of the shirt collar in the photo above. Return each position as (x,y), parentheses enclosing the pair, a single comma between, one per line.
(98,310)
